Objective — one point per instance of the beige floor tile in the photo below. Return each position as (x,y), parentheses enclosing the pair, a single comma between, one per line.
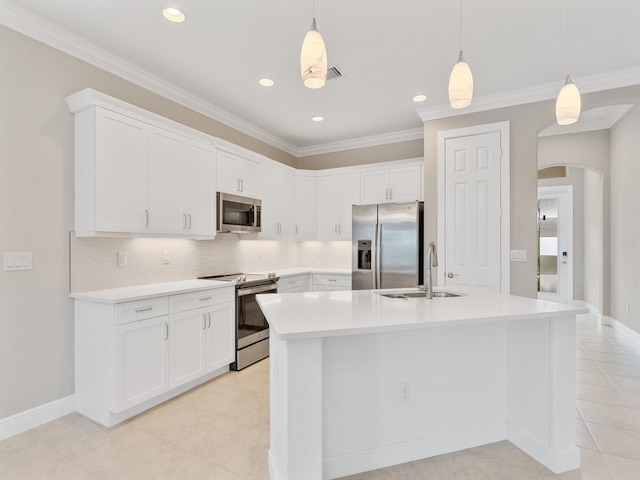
(48,467)
(583,436)
(174,464)
(601,394)
(619,358)
(611,415)
(592,466)
(617,369)
(616,441)
(251,461)
(124,449)
(622,468)
(65,435)
(219,473)
(19,450)
(593,378)
(626,384)
(601,347)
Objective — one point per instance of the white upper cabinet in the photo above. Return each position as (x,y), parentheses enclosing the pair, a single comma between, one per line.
(137,173)
(111,173)
(397,184)
(306,207)
(277,194)
(336,195)
(182,185)
(237,175)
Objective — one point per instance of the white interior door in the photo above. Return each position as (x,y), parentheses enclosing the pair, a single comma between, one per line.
(555,252)
(471,230)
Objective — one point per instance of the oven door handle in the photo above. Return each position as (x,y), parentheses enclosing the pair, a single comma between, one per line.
(272,287)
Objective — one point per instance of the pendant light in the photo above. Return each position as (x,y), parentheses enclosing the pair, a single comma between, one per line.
(313,57)
(461,79)
(568,103)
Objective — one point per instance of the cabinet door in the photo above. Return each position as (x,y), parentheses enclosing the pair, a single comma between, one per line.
(201,198)
(405,184)
(306,208)
(375,186)
(220,336)
(285,200)
(328,208)
(141,361)
(249,179)
(122,173)
(186,346)
(349,196)
(228,172)
(168,182)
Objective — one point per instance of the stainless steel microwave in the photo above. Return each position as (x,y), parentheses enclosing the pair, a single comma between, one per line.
(238,214)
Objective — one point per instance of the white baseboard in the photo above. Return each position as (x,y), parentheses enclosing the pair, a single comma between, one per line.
(621,327)
(592,310)
(23,421)
(556,461)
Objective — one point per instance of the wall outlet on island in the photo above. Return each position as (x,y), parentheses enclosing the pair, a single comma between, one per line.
(405,392)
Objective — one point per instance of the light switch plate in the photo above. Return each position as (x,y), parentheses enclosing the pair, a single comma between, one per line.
(518,255)
(17,261)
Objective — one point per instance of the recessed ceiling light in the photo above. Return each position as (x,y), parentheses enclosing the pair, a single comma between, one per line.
(317,118)
(266,82)
(420,98)
(173,14)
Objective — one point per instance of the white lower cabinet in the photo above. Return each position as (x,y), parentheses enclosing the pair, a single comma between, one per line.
(323,282)
(294,284)
(141,361)
(132,355)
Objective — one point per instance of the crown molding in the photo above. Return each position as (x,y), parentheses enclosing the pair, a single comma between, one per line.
(363,142)
(45,32)
(587,84)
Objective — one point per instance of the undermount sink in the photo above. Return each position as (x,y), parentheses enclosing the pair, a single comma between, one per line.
(413,294)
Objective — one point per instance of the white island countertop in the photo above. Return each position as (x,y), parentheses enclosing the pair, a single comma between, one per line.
(141,292)
(326,314)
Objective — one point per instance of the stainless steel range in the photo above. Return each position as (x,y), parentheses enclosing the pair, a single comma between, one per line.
(252,329)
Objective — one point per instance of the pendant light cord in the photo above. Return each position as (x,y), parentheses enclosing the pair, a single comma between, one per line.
(460,26)
(566,60)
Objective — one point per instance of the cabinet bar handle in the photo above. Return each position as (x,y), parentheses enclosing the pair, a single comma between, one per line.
(166,331)
(241,185)
(208,320)
(202,299)
(146,309)
(146,218)
(238,189)
(189,215)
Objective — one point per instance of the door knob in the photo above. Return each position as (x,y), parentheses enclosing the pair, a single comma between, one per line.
(451,274)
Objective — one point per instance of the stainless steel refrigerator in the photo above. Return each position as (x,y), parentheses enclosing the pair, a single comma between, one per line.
(388,245)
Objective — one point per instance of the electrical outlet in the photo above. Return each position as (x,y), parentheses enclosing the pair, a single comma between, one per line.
(626,307)
(122,259)
(165,257)
(405,393)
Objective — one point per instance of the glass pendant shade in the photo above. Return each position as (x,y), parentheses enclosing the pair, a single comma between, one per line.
(313,59)
(460,84)
(568,104)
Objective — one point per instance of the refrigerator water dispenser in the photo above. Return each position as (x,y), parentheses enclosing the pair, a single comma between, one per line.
(364,254)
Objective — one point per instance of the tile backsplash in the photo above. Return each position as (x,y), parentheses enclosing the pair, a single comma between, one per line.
(94,261)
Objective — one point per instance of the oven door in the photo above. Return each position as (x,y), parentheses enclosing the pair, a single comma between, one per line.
(251,326)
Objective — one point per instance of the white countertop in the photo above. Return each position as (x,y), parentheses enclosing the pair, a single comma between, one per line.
(287,272)
(324,314)
(140,292)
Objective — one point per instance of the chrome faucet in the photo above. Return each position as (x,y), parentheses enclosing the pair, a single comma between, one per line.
(432,261)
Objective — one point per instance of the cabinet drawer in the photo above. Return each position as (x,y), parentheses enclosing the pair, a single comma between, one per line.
(127,312)
(293,282)
(332,280)
(202,298)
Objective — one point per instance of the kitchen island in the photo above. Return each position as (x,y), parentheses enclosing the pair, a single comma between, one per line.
(360,381)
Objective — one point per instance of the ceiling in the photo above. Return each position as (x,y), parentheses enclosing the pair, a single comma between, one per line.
(387,52)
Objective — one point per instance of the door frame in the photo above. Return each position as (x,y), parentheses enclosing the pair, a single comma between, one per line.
(505,194)
(564,192)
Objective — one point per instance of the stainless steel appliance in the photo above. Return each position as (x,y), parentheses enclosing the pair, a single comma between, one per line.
(238,214)
(252,329)
(388,245)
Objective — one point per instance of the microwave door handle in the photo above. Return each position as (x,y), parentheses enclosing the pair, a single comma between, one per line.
(252,215)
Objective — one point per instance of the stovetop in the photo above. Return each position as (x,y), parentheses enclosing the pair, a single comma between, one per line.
(242,279)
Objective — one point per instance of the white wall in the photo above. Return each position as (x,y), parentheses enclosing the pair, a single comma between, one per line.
(625,220)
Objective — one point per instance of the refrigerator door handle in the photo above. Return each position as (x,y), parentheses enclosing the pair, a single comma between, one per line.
(378,256)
